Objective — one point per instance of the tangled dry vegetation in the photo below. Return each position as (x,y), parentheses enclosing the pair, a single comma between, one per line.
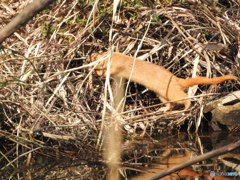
(45,80)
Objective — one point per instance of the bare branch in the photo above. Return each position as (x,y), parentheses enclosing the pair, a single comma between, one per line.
(23,17)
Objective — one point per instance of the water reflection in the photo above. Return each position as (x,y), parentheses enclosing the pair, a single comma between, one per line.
(141,158)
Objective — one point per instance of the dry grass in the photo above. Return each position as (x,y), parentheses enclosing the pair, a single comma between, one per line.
(45,81)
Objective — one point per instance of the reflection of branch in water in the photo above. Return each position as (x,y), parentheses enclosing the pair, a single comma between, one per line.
(189,162)
(168,159)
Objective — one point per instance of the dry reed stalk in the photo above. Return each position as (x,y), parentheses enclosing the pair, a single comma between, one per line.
(44,78)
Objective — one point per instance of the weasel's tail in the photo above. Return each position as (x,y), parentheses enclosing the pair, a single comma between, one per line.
(203,80)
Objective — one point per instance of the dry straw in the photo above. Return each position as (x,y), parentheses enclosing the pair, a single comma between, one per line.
(45,87)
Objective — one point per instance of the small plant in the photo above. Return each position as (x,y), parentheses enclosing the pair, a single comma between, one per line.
(215,2)
(102,13)
(137,4)
(156,19)
(82,22)
(45,11)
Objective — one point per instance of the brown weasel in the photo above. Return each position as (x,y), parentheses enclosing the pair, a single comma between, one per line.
(167,86)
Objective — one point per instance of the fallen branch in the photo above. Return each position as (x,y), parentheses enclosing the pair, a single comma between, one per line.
(31,10)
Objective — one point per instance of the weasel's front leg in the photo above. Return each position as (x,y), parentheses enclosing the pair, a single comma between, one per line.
(168,106)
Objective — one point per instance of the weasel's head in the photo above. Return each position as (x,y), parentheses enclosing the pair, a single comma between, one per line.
(102,63)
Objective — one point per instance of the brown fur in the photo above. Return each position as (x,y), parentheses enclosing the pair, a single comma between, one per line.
(167,86)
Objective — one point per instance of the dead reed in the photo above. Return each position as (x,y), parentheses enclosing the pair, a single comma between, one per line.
(47,98)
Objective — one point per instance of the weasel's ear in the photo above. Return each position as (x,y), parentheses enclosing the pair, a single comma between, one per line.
(92,57)
(88,59)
